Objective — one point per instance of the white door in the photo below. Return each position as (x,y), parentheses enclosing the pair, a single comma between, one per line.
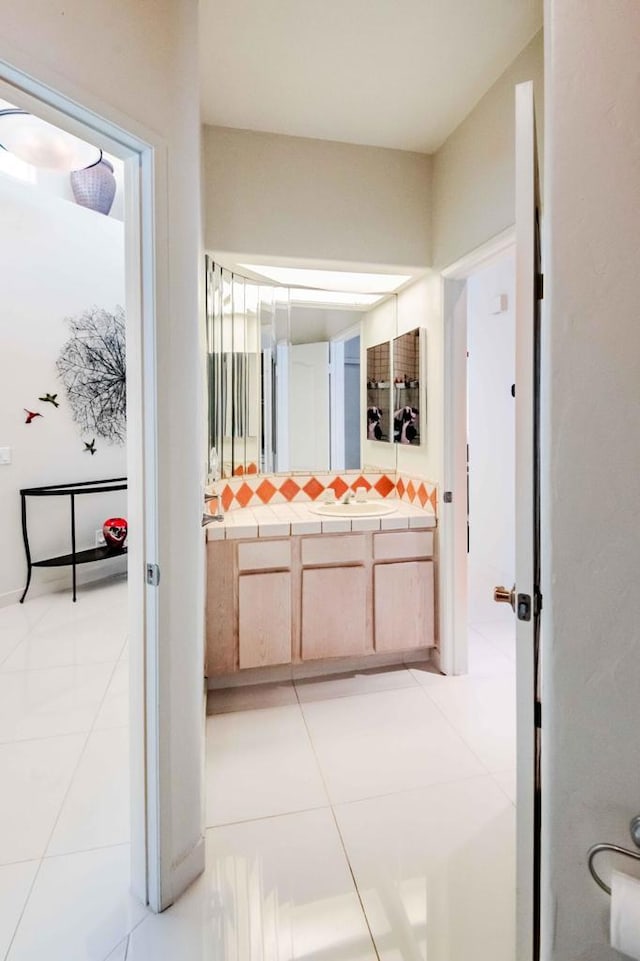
(309,407)
(527,599)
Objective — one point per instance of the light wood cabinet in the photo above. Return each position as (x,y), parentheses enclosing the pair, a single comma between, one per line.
(334,612)
(403,605)
(274,601)
(264,619)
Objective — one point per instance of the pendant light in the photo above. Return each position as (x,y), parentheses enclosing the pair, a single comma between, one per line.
(42,145)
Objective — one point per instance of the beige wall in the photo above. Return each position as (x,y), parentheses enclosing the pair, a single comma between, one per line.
(136,64)
(591,453)
(314,199)
(474,170)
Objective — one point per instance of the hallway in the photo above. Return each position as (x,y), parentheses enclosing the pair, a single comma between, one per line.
(362,817)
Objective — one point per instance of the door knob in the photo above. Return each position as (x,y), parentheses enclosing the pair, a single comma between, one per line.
(502,595)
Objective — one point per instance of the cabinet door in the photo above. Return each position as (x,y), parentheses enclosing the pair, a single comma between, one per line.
(334,612)
(264,619)
(403,605)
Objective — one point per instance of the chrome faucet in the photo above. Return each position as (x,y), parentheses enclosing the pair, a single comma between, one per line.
(347,497)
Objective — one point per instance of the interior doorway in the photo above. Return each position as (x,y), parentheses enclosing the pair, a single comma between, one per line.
(134,603)
(490,299)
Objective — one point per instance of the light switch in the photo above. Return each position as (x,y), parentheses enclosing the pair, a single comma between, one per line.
(5,455)
(499,304)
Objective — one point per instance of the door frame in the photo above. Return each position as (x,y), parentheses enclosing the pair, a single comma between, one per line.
(145,164)
(452,520)
(336,394)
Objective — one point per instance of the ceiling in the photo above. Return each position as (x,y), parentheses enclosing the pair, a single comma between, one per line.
(387,73)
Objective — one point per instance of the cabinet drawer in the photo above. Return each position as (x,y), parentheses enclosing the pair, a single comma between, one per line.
(396,545)
(264,555)
(334,612)
(348,549)
(404,605)
(264,619)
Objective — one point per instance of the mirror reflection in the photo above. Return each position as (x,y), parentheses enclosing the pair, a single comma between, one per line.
(283,380)
(378,392)
(406,388)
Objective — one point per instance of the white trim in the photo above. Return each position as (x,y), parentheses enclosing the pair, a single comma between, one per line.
(144,184)
(283,359)
(482,256)
(453,517)
(336,405)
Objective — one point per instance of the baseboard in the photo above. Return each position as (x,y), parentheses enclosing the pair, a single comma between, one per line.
(322,668)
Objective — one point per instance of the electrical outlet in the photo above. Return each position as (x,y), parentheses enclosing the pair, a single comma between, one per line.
(100,541)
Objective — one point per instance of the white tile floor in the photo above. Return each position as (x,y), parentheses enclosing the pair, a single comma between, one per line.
(364,817)
(64,805)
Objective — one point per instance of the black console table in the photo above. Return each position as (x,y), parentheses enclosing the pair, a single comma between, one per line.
(75,557)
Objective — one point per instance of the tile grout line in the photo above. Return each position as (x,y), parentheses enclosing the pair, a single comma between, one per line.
(43,857)
(26,633)
(455,730)
(335,821)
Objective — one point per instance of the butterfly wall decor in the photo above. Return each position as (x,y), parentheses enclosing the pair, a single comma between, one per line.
(31,415)
(90,447)
(50,399)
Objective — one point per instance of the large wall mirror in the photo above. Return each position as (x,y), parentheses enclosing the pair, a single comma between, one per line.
(283,380)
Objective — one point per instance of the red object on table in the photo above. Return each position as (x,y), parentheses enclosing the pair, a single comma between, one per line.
(115,531)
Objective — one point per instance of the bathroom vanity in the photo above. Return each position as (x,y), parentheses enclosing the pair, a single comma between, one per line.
(288,587)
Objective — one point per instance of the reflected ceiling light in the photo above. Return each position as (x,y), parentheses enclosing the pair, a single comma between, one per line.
(363,283)
(332,298)
(42,145)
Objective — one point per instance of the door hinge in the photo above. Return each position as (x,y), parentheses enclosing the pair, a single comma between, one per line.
(539,287)
(447,497)
(153,575)
(537,715)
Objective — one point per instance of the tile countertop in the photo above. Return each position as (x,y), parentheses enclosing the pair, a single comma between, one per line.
(282,520)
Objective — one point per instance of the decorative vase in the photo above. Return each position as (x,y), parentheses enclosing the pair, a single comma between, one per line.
(115,531)
(95,186)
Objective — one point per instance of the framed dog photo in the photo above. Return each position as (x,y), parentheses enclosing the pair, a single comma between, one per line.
(408,383)
(378,425)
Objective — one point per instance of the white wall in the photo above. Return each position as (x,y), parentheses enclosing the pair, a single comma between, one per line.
(474,170)
(416,306)
(591,523)
(491,436)
(298,198)
(58,260)
(136,64)
(309,325)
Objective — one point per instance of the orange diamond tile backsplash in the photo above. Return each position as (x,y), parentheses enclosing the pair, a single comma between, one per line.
(289,489)
(252,490)
(313,488)
(385,486)
(265,491)
(339,486)
(244,495)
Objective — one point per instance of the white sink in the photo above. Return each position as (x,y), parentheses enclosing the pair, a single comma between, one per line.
(354,509)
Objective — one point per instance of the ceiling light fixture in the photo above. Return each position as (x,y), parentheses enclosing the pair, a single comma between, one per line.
(349,281)
(42,145)
(332,298)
